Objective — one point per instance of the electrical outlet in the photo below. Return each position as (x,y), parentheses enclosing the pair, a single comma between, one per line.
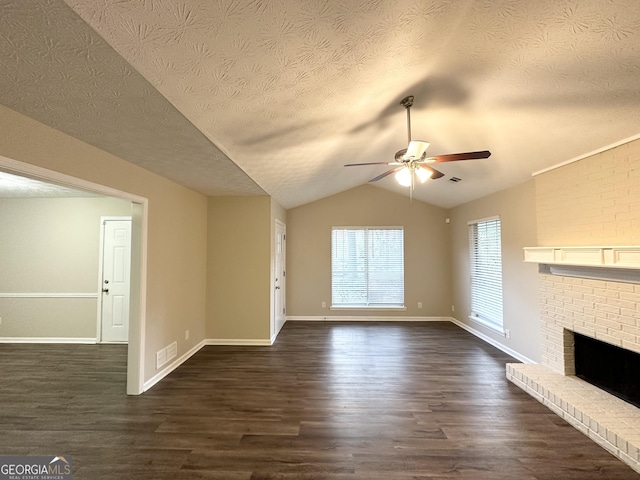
(0,320)
(324,304)
(186,334)
(453,309)
(419,304)
(507,333)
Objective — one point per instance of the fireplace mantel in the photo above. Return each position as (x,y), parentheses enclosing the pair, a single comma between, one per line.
(614,257)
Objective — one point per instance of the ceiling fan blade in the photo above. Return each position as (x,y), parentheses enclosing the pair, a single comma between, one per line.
(416,149)
(435,174)
(452,157)
(388,172)
(370,163)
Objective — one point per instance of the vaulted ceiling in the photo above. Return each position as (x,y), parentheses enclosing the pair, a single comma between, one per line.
(247,97)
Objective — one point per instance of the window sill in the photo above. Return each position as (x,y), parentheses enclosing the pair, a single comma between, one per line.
(499,329)
(385,307)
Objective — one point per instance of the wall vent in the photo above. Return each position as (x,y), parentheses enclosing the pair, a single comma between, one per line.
(172,351)
(166,354)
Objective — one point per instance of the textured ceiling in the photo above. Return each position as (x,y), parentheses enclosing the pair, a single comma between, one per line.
(292,90)
(14,186)
(56,69)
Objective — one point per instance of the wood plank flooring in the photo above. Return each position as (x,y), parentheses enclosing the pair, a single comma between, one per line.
(358,401)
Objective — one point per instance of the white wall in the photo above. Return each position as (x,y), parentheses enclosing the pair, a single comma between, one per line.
(51,246)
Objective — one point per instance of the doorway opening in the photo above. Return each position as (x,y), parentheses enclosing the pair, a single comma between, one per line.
(279,280)
(138,267)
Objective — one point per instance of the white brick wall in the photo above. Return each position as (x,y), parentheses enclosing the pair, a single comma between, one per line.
(594,201)
(608,311)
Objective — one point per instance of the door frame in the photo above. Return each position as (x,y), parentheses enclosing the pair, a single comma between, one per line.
(100,271)
(282,227)
(139,237)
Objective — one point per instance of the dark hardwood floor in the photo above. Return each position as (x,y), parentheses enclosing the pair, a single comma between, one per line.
(372,401)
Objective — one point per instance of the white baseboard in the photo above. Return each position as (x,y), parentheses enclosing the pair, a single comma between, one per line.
(172,366)
(209,341)
(278,328)
(87,341)
(241,342)
(365,318)
(48,295)
(491,341)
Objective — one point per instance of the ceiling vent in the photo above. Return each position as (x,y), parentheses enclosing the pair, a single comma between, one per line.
(455,179)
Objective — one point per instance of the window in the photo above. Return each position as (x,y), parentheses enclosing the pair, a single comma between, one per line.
(486,272)
(367,267)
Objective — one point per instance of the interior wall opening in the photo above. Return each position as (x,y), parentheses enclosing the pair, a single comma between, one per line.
(138,212)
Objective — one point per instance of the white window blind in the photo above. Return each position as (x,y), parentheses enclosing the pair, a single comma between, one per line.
(367,267)
(486,270)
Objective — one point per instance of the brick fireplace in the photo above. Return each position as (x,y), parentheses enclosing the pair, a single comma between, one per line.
(590,200)
(603,308)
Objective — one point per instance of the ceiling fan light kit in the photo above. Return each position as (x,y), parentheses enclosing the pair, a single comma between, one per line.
(403,176)
(423,174)
(411,162)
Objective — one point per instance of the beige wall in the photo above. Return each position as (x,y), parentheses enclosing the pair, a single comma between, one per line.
(238,268)
(594,201)
(51,245)
(177,226)
(516,208)
(427,250)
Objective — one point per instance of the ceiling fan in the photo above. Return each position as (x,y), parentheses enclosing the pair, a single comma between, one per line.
(412,162)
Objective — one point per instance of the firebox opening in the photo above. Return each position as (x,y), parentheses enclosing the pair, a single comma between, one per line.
(608,367)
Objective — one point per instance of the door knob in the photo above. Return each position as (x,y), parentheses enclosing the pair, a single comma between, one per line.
(106,282)
(105,290)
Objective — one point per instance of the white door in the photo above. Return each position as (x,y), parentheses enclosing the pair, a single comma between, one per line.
(280,276)
(115,282)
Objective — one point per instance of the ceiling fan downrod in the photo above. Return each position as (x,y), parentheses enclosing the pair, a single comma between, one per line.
(407,102)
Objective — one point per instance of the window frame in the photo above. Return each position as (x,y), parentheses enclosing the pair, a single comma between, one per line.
(368,305)
(491,315)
